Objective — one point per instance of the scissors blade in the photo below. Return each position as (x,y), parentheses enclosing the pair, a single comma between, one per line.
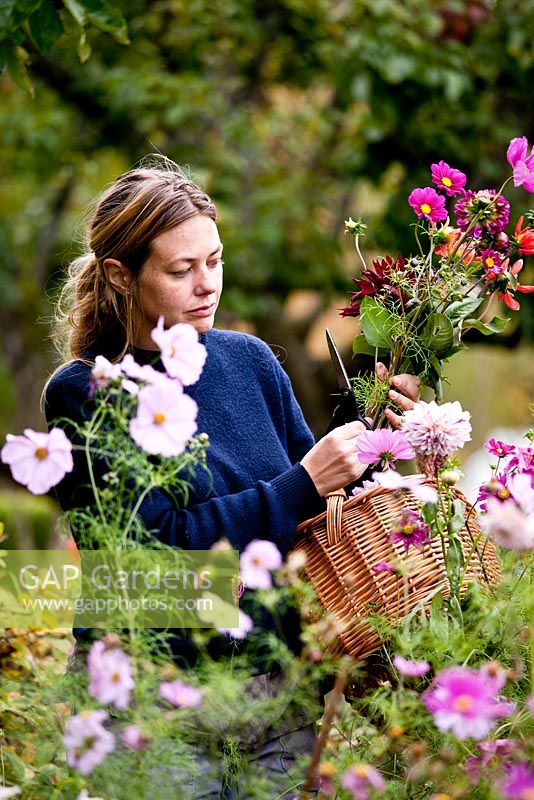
(341,373)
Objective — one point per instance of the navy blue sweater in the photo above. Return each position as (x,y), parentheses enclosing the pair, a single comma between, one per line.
(257,433)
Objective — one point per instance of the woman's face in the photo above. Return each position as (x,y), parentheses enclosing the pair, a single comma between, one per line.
(182,278)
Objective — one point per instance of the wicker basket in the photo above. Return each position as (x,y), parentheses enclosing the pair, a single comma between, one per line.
(344,544)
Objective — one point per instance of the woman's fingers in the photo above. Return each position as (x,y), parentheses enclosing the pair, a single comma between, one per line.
(404,403)
(407,385)
(395,419)
(381,371)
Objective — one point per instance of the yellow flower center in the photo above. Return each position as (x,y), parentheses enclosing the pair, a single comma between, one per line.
(159,418)
(327,770)
(41,453)
(362,771)
(463,703)
(425,208)
(115,677)
(407,530)
(446,181)
(504,494)
(490,262)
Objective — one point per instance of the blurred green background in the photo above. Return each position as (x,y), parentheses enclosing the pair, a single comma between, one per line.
(293,114)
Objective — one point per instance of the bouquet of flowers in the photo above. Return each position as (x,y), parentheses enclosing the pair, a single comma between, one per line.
(414,310)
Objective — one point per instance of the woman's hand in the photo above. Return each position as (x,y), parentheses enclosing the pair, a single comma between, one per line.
(405,393)
(332,463)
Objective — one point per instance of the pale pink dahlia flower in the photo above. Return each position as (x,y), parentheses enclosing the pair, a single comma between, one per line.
(435,432)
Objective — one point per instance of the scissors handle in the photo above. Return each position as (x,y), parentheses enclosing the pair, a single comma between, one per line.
(347,411)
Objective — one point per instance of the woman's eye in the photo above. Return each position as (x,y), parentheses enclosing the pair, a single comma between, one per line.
(214,264)
(181,273)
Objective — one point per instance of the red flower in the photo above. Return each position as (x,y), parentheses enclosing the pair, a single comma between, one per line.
(524,239)
(379,280)
(508,296)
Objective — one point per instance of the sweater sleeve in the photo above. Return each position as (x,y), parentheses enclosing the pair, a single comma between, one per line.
(270,509)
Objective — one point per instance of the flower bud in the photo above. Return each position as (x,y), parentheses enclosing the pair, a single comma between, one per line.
(450,477)
(501,241)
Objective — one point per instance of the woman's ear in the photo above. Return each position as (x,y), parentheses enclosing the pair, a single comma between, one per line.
(119,276)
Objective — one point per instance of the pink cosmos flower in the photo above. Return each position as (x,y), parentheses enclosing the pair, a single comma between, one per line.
(435,432)
(365,487)
(521,488)
(180,694)
(492,264)
(38,460)
(257,561)
(110,675)
(495,752)
(428,203)
(165,421)
(102,373)
(390,479)
(500,449)
(410,530)
(517,150)
(451,180)
(522,163)
(182,354)
(412,669)
(507,525)
(523,460)
(383,445)
(87,741)
(463,701)
(495,673)
(529,702)
(361,779)
(245,624)
(519,782)
(144,372)
(133,737)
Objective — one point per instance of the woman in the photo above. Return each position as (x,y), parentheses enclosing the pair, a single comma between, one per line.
(154,250)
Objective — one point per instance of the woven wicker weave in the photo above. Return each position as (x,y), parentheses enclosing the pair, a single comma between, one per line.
(344,544)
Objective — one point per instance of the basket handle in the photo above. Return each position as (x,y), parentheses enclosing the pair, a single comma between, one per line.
(334,512)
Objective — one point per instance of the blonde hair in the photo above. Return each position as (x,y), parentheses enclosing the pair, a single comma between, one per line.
(137,207)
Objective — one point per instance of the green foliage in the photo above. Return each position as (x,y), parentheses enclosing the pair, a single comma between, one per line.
(29,520)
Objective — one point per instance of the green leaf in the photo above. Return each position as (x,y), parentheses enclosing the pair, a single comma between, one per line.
(15,58)
(456,522)
(463,308)
(430,512)
(6,10)
(45,26)
(438,334)
(103,16)
(495,325)
(376,322)
(361,346)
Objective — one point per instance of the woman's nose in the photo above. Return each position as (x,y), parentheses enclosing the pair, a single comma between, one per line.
(207,281)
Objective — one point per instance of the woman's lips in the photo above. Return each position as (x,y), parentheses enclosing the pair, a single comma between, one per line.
(203,311)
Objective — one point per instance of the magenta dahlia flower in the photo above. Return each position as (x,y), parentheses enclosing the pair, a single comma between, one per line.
(383,445)
(451,180)
(410,529)
(427,203)
(463,701)
(492,211)
(495,753)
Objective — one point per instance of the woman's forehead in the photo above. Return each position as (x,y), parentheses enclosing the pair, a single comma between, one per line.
(194,238)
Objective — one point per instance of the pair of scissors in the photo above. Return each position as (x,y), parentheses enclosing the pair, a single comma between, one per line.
(347,411)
